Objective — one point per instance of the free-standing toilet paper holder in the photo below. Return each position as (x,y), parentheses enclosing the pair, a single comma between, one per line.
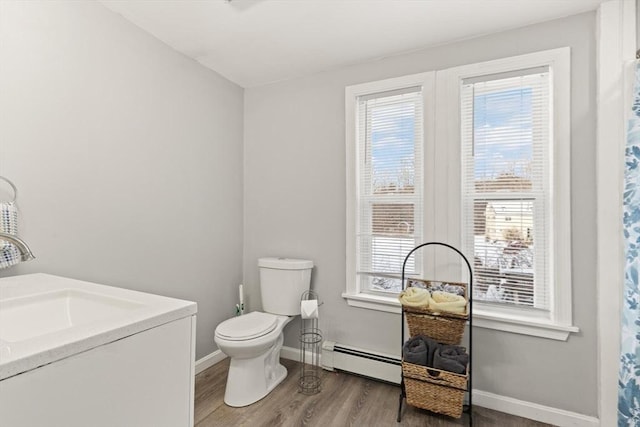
(310,345)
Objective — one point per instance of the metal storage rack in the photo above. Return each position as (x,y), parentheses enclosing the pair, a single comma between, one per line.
(403,393)
(310,381)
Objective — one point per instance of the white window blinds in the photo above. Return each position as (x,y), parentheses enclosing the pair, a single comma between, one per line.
(389,187)
(506,122)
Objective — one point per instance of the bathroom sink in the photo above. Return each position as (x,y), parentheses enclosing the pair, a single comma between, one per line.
(41,314)
(46,318)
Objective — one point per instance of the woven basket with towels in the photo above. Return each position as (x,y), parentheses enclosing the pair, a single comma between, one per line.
(436,309)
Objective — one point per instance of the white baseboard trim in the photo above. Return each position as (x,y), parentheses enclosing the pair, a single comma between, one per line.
(209,360)
(290,353)
(293,353)
(533,411)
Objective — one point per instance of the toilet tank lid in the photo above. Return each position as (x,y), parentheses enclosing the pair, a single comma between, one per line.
(285,263)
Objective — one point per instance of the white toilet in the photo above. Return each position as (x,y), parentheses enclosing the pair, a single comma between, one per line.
(253,341)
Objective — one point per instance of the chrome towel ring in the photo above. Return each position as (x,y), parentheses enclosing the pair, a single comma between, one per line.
(13,187)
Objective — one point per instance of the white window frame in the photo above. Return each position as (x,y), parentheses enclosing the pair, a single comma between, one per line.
(354,295)
(557,323)
(443,125)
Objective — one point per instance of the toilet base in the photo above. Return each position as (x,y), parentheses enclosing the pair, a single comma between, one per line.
(250,380)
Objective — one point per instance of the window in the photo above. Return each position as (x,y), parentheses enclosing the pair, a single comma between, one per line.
(505,121)
(386,174)
(514,190)
(497,186)
(389,199)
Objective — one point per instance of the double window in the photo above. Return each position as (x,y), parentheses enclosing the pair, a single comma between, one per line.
(501,130)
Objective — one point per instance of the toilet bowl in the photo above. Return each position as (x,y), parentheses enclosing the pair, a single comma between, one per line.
(253,342)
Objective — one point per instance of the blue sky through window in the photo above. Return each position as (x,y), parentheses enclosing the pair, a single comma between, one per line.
(503,137)
(392,144)
(503,132)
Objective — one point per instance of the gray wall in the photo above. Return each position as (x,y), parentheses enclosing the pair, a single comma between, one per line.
(295,206)
(127,155)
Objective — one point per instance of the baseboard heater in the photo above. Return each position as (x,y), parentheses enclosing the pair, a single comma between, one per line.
(371,364)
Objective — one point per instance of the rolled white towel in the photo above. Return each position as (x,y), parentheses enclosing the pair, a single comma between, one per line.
(445,301)
(414,297)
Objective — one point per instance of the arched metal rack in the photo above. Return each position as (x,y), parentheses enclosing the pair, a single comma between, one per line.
(467,408)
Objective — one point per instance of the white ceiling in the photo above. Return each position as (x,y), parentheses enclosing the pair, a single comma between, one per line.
(254,42)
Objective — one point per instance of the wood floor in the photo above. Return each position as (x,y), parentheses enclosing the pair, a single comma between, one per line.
(345,400)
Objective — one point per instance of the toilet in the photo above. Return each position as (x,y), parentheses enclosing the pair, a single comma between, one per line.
(253,341)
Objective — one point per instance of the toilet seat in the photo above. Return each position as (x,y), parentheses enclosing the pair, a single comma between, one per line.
(247,327)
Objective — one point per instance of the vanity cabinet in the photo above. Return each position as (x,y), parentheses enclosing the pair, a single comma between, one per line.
(144,379)
(80,354)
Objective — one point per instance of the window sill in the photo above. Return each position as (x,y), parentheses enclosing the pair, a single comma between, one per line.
(522,325)
(373,302)
(481,318)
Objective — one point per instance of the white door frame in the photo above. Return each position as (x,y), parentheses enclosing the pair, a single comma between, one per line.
(616,46)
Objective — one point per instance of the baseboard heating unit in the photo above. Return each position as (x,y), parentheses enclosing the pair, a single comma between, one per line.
(371,364)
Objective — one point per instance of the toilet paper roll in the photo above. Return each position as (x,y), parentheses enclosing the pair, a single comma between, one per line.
(309,309)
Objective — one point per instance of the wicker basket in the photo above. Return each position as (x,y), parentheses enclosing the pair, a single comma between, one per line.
(442,326)
(435,390)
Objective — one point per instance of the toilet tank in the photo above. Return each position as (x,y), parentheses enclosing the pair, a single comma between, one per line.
(282,283)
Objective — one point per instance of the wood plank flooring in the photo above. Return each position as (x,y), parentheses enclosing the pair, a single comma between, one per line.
(345,400)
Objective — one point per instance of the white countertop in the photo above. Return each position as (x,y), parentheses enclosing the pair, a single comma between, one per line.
(21,356)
